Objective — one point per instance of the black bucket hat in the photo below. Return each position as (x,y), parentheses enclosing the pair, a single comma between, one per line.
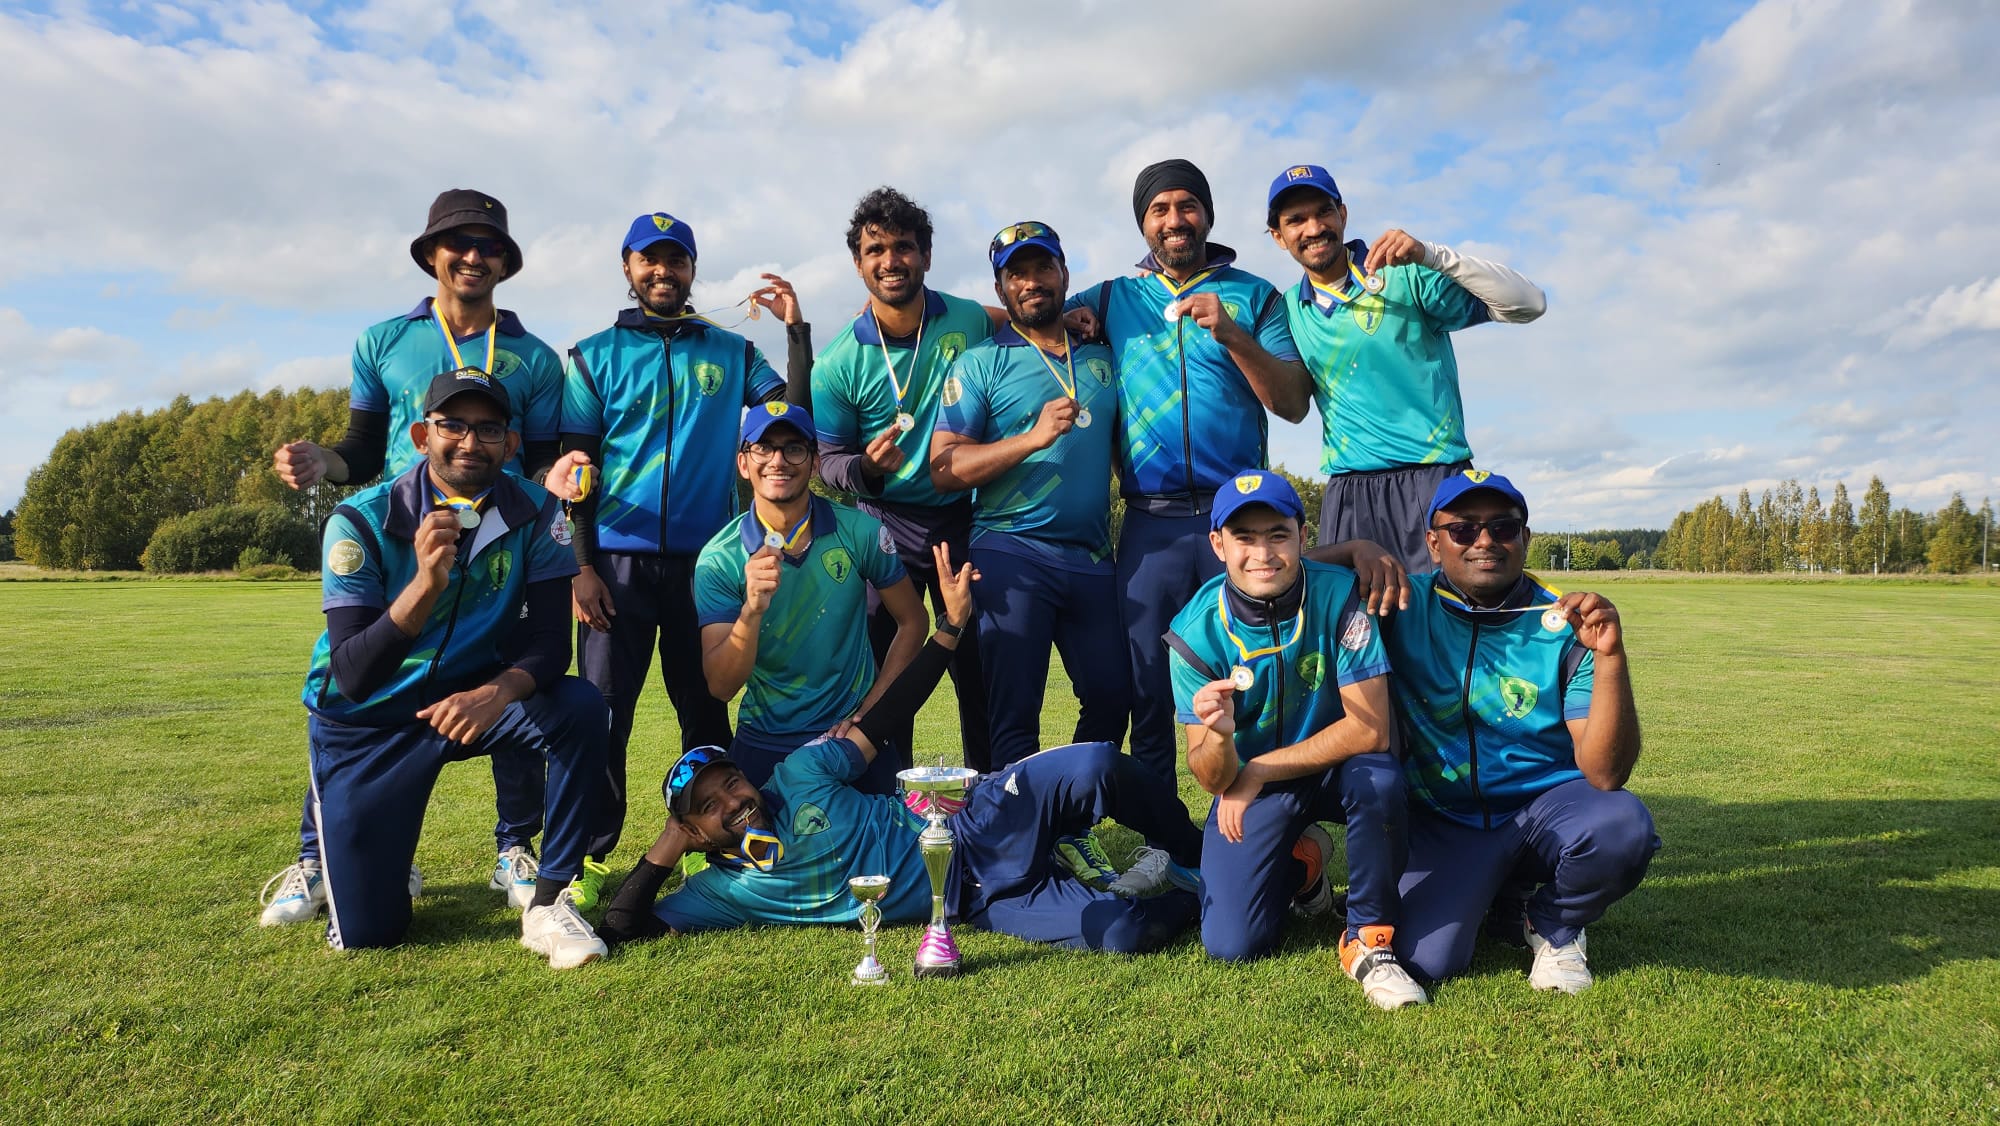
(465,207)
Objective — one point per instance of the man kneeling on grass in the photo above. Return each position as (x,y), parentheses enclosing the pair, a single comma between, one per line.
(447,605)
(1518,721)
(784,854)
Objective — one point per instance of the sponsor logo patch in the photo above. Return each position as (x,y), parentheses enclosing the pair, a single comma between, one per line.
(887,541)
(953,391)
(559,531)
(344,557)
(1355,630)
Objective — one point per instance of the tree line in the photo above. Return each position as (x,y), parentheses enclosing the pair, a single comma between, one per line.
(1791,529)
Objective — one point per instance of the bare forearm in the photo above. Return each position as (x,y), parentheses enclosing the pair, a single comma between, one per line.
(1609,748)
(1331,745)
(413,607)
(727,664)
(1212,758)
(902,650)
(1281,385)
(961,465)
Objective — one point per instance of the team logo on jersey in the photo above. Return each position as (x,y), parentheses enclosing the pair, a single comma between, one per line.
(949,346)
(505,364)
(708,377)
(1099,368)
(1367,313)
(1518,696)
(837,564)
(498,566)
(1355,630)
(1248,483)
(559,531)
(887,541)
(1232,309)
(344,557)
(952,393)
(808,820)
(1312,670)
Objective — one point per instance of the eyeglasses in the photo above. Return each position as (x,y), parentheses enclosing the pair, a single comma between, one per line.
(795,453)
(1008,236)
(1465,533)
(491,433)
(460,242)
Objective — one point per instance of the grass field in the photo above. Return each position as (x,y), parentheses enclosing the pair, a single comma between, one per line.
(1818,941)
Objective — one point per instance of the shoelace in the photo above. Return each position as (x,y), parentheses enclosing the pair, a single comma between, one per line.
(570,921)
(294,884)
(523,867)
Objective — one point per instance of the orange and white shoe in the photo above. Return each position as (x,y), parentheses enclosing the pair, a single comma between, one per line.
(1369,960)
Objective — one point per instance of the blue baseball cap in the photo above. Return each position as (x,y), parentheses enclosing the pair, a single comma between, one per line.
(658,227)
(1300,176)
(1015,237)
(681,775)
(1255,486)
(763,416)
(1472,481)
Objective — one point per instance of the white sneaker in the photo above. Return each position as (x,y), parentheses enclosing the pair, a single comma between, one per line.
(416,882)
(514,873)
(1317,899)
(558,931)
(301,894)
(1384,981)
(1146,876)
(1558,967)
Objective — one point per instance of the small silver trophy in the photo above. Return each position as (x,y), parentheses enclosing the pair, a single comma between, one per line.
(944,789)
(869,890)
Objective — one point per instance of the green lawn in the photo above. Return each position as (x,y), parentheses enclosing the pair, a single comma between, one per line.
(1819,939)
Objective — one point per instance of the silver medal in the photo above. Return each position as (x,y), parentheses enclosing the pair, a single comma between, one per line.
(906,422)
(1374,283)
(468,517)
(1083,418)
(1172,312)
(1554,619)
(774,541)
(1242,677)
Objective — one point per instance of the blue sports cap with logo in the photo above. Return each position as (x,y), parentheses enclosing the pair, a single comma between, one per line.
(1014,237)
(763,416)
(658,227)
(1255,486)
(1300,176)
(1472,481)
(681,775)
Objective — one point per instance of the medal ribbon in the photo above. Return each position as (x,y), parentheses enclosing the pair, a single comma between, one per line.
(798,533)
(1185,286)
(1247,653)
(916,356)
(1069,360)
(440,500)
(1459,601)
(451,341)
(1352,293)
(753,313)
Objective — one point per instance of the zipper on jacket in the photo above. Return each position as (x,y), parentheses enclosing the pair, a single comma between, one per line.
(1471,732)
(450,624)
(1187,408)
(667,465)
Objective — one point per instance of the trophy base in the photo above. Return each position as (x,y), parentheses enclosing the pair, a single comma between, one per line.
(937,954)
(869,972)
(942,969)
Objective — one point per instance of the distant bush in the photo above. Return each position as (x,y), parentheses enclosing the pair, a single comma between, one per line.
(269,572)
(224,537)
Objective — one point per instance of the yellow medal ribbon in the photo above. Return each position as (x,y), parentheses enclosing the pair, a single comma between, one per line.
(1069,360)
(1352,293)
(1246,653)
(451,340)
(1458,600)
(790,543)
(916,358)
(1185,286)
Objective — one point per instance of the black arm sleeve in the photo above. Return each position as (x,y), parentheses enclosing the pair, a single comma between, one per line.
(905,695)
(630,916)
(364,446)
(799,365)
(545,648)
(537,457)
(365,648)
(583,513)
(840,467)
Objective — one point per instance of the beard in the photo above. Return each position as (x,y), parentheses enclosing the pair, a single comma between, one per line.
(1048,313)
(668,306)
(1187,258)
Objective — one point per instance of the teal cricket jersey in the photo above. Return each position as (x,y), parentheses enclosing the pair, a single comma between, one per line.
(395,361)
(369,557)
(854,400)
(830,832)
(1483,700)
(1385,379)
(1188,418)
(1056,504)
(667,401)
(1291,698)
(813,661)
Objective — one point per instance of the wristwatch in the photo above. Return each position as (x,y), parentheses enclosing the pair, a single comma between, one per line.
(945,627)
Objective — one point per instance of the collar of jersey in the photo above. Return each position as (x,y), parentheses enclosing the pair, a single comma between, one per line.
(1305,294)
(865,331)
(510,325)
(752,533)
(1257,612)
(408,503)
(1007,336)
(637,318)
(1220,258)
(1526,590)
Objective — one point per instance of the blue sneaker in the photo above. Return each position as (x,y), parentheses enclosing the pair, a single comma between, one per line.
(514,872)
(1185,878)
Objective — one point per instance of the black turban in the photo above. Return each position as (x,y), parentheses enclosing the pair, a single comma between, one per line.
(1167,176)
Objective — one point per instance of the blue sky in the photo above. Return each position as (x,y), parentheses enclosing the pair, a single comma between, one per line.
(1763,228)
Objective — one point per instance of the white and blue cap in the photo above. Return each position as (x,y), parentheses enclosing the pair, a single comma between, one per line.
(1255,486)
(763,416)
(1300,176)
(1472,481)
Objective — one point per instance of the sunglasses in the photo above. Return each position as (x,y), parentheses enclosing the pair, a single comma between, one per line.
(1010,235)
(491,433)
(794,453)
(459,242)
(1465,533)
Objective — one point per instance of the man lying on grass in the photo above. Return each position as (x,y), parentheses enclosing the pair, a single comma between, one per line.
(784,854)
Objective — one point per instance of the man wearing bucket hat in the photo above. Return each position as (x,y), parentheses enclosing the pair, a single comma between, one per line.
(1374,324)
(783,852)
(1280,677)
(781,593)
(1201,351)
(466,248)
(447,637)
(652,405)
(1520,732)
